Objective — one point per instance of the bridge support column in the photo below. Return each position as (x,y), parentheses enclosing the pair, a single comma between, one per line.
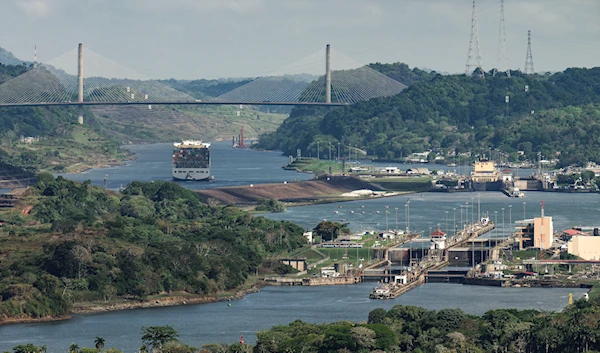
(80,82)
(327,74)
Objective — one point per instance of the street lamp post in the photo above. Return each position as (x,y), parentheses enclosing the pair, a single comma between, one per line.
(524,209)
(495,219)
(446,221)
(386,220)
(510,217)
(454,218)
(473,253)
(349,151)
(502,219)
(396,218)
(466,212)
(472,213)
(408,217)
(478,206)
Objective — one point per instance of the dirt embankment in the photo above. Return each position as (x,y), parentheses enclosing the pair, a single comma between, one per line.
(298,191)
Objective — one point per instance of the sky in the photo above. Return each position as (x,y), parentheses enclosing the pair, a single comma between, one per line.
(193,39)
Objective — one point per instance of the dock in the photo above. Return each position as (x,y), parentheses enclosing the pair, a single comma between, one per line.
(313,281)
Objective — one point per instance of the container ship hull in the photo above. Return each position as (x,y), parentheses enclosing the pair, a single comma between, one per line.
(191,160)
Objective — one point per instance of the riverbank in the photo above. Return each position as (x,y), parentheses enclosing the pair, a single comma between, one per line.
(121,304)
(161,301)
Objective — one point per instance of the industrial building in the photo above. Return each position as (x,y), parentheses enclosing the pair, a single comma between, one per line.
(585,246)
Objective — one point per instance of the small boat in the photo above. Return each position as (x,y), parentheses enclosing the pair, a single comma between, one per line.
(381,292)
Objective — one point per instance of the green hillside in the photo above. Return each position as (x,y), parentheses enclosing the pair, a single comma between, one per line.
(80,243)
(59,144)
(456,113)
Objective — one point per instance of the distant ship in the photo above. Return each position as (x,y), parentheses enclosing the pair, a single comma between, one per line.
(191,160)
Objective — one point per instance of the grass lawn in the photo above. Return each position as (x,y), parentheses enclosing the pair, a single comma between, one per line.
(352,253)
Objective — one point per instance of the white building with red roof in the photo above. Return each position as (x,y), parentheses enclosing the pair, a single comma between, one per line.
(438,239)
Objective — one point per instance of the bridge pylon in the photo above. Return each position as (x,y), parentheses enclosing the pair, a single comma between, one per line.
(327,74)
(80,82)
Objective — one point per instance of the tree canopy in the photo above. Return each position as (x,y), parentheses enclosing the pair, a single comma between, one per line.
(455,113)
(155,237)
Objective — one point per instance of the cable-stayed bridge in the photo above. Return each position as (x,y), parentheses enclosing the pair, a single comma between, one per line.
(344,82)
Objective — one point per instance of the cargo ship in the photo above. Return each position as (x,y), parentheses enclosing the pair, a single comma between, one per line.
(191,160)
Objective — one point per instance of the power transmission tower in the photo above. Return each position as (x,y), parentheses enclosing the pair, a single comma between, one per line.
(502,55)
(529,60)
(474,65)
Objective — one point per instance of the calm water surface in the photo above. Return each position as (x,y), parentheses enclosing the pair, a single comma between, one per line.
(428,210)
(216,322)
(230,167)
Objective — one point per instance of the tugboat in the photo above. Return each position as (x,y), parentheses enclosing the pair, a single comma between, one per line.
(383,291)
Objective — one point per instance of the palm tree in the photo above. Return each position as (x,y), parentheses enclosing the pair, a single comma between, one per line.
(99,343)
(73,348)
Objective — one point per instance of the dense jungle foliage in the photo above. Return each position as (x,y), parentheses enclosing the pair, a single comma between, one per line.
(414,329)
(555,114)
(83,243)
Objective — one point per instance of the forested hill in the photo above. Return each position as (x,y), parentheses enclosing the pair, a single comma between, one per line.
(206,89)
(81,243)
(7,58)
(460,113)
(403,73)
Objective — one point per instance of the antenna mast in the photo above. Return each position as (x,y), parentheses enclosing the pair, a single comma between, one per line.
(502,53)
(34,56)
(474,55)
(529,60)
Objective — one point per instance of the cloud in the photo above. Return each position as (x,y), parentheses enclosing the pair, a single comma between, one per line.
(35,8)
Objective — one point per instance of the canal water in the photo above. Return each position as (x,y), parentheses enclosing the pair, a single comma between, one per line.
(219,323)
(229,166)
(216,322)
(428,211)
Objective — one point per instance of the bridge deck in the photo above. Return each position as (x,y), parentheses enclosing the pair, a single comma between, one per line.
(54,104)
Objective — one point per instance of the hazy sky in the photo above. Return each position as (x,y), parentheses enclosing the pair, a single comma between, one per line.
(189,39)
